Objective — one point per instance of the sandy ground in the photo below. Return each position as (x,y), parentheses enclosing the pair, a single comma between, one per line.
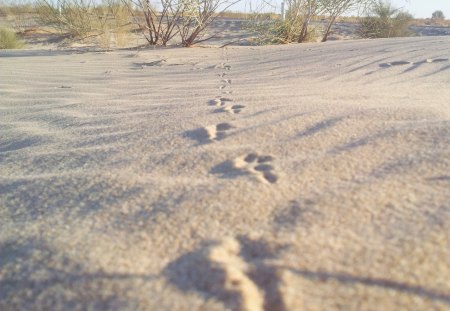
(296,177)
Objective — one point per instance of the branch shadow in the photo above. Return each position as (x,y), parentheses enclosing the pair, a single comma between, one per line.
(68,196)
(345,278)
(18,144)
(439,178)
(295,214)
(35,277)
(320,126)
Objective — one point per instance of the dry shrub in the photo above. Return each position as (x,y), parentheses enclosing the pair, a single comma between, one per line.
(83,19)
(295,27)
(9,40)
(197,16)
(15,8)
(385,22)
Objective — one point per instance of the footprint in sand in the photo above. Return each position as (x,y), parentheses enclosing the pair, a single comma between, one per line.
(222,102)
(225,257)
(227,81)
(209,134)
(218,132)
(404,62)
(235,109)
(395,63)
(258,165)
(437,60)
(219,102)
(238,271)
(223,66)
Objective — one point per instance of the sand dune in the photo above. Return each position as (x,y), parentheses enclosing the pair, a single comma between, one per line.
(296,177)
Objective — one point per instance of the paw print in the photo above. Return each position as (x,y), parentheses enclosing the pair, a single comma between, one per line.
(258,165)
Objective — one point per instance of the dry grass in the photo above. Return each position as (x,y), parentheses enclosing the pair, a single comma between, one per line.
(241,15)
(431,22)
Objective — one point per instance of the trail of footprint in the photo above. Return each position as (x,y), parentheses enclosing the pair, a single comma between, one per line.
(437,60)
(223,66)
(404,62)
(209,134)
(218,132)
(220,101)
(234,109)
(225,83)
(226,257)
(258,166)
(395,63)
(239,271)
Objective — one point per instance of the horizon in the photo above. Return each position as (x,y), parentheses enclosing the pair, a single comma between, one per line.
(418,8)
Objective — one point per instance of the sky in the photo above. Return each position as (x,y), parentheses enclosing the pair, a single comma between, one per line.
(423,8)
(418,8)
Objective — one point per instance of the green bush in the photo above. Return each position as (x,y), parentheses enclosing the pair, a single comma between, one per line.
(385,22)
(9,40)
(438,15)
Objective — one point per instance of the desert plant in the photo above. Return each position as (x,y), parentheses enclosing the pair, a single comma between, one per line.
(15,7)
(269,31)
(159,27)
(385,21)
(197,16)
(438,15)
(335,8)
(9,40)
(295,27)
(84,18)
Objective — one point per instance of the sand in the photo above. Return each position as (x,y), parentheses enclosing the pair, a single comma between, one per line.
(295,177)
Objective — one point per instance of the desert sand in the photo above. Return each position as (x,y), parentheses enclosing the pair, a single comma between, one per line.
(295,177)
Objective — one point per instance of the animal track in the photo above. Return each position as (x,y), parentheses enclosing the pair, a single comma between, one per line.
(235,109)
(257,165)
(222,103)
(219,102)
(238,271)
(224,66)
(218,132)
(404,62)
(225,83)
(437,60)
(395,63)
(225,256)
(209,134)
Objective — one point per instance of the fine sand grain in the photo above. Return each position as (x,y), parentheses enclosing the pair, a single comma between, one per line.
(295,177)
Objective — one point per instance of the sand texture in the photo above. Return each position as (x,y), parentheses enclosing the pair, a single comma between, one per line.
(295,177)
